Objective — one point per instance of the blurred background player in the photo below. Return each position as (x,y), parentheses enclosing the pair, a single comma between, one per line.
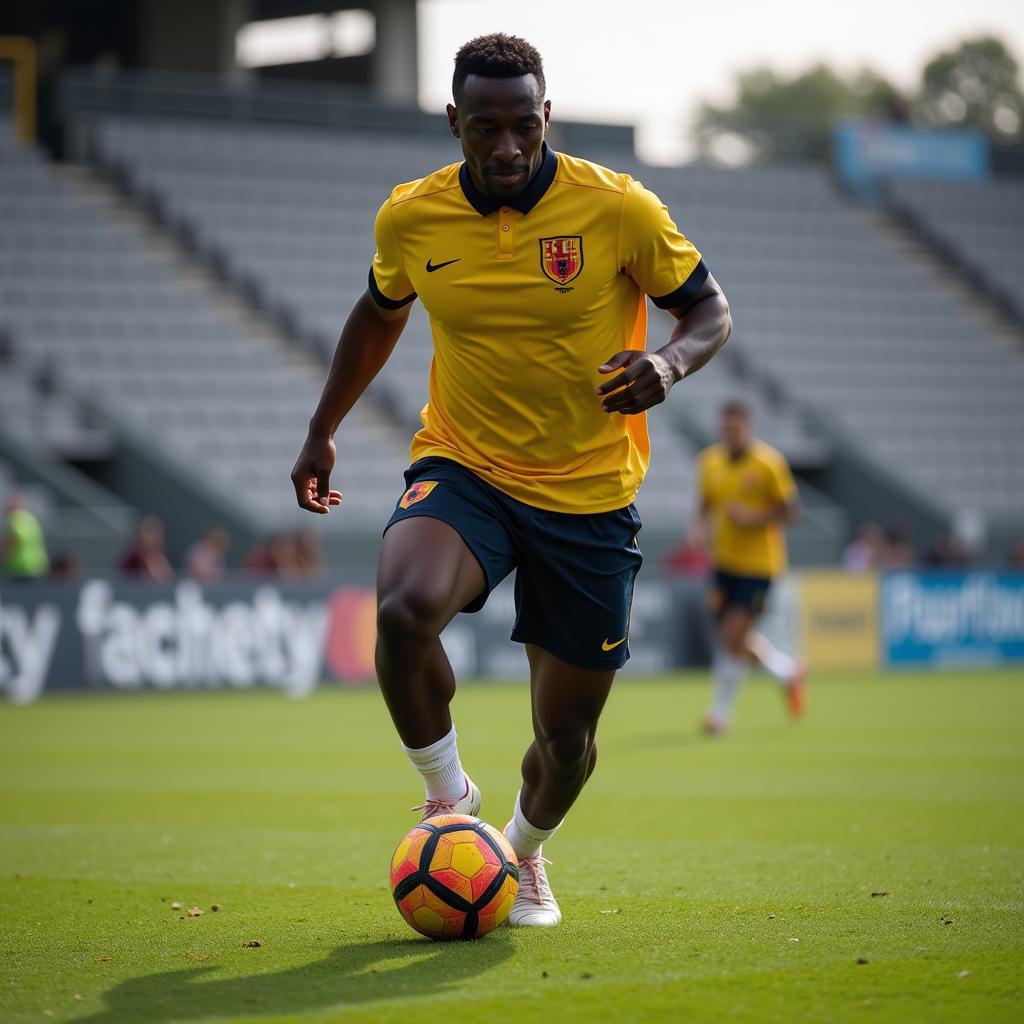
(526,461)
(747,495)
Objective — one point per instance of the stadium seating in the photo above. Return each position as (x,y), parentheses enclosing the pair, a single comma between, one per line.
(832,323)
(86,303)
(829,317)
(978,226)
(831,312)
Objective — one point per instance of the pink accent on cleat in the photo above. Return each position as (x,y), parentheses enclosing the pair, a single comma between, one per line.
(534,904)
(469,803)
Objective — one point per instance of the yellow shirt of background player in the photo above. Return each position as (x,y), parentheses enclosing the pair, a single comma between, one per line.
(526,300)
(758,480)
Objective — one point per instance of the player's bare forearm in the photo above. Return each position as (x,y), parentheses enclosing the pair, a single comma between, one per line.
(367,340)
(700,527)
(740,515)
(702,327)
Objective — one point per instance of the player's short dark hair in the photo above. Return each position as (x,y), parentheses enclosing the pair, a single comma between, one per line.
(734,407)
(497,56)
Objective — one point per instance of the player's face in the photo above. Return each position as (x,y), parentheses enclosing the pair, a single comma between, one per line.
(501,124)
(737,432)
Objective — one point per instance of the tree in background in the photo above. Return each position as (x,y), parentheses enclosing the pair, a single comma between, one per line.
(780,118)
(976,85)
(775,117)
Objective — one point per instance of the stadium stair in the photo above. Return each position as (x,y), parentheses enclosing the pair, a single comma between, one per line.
(964,283)
(974,227)
(276,351)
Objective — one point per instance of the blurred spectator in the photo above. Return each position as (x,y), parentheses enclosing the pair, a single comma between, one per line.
(897,551)
(309,555)
(277,556)
(1017,555)
(65,567)
(688,558)
(947,552)
(24,554)
(864,552)
(258,560)
(204,560)
(144,558)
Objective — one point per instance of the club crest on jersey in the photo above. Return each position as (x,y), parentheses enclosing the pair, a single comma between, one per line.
(561,258)
(419,490)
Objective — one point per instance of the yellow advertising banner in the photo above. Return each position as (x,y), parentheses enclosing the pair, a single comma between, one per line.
(839,619)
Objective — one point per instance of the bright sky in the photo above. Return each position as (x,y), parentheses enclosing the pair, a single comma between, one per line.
(650,62)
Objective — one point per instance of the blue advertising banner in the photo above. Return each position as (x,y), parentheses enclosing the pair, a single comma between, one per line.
(867,151)
(952,618)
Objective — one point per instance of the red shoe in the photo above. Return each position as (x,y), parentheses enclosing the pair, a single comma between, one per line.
(796,691)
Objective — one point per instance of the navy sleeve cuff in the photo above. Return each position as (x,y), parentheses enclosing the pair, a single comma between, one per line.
(382,300)
(686,292)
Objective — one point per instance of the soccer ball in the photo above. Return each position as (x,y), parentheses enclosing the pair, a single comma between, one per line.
(454,877)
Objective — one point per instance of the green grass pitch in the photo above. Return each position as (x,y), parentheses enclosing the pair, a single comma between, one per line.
(863,865)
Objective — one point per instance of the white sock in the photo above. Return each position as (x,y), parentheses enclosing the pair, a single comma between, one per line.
(440,767)
(524,838)
(775,663)
(728,673)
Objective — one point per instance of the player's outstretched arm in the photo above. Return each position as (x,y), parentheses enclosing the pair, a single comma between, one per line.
(367,340)
(702,327)
(698,535)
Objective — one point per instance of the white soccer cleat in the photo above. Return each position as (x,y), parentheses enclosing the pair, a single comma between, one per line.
(534,905)
(469,803)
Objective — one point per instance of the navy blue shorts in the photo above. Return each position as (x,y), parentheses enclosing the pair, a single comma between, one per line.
(731,591)
(574,573)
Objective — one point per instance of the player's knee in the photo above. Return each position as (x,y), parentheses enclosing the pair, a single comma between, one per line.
(736,645)
(733,636)
(409,613)
(569,750)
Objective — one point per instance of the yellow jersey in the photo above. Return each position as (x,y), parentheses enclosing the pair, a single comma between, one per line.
(758,480)
(526,299)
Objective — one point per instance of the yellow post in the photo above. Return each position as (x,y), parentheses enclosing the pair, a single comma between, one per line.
(21,52)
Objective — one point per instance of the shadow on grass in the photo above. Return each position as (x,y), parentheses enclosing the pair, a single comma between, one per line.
(345,977)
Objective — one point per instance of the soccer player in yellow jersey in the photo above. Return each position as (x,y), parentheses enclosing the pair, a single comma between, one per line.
(747,495)
(535,268)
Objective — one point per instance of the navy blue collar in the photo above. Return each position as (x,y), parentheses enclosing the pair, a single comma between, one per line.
(525,201)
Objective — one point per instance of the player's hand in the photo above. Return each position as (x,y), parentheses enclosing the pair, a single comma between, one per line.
(697,538)
(311,476)
(740,515)
(645,381)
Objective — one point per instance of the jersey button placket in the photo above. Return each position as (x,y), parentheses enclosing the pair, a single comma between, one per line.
(506,234)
